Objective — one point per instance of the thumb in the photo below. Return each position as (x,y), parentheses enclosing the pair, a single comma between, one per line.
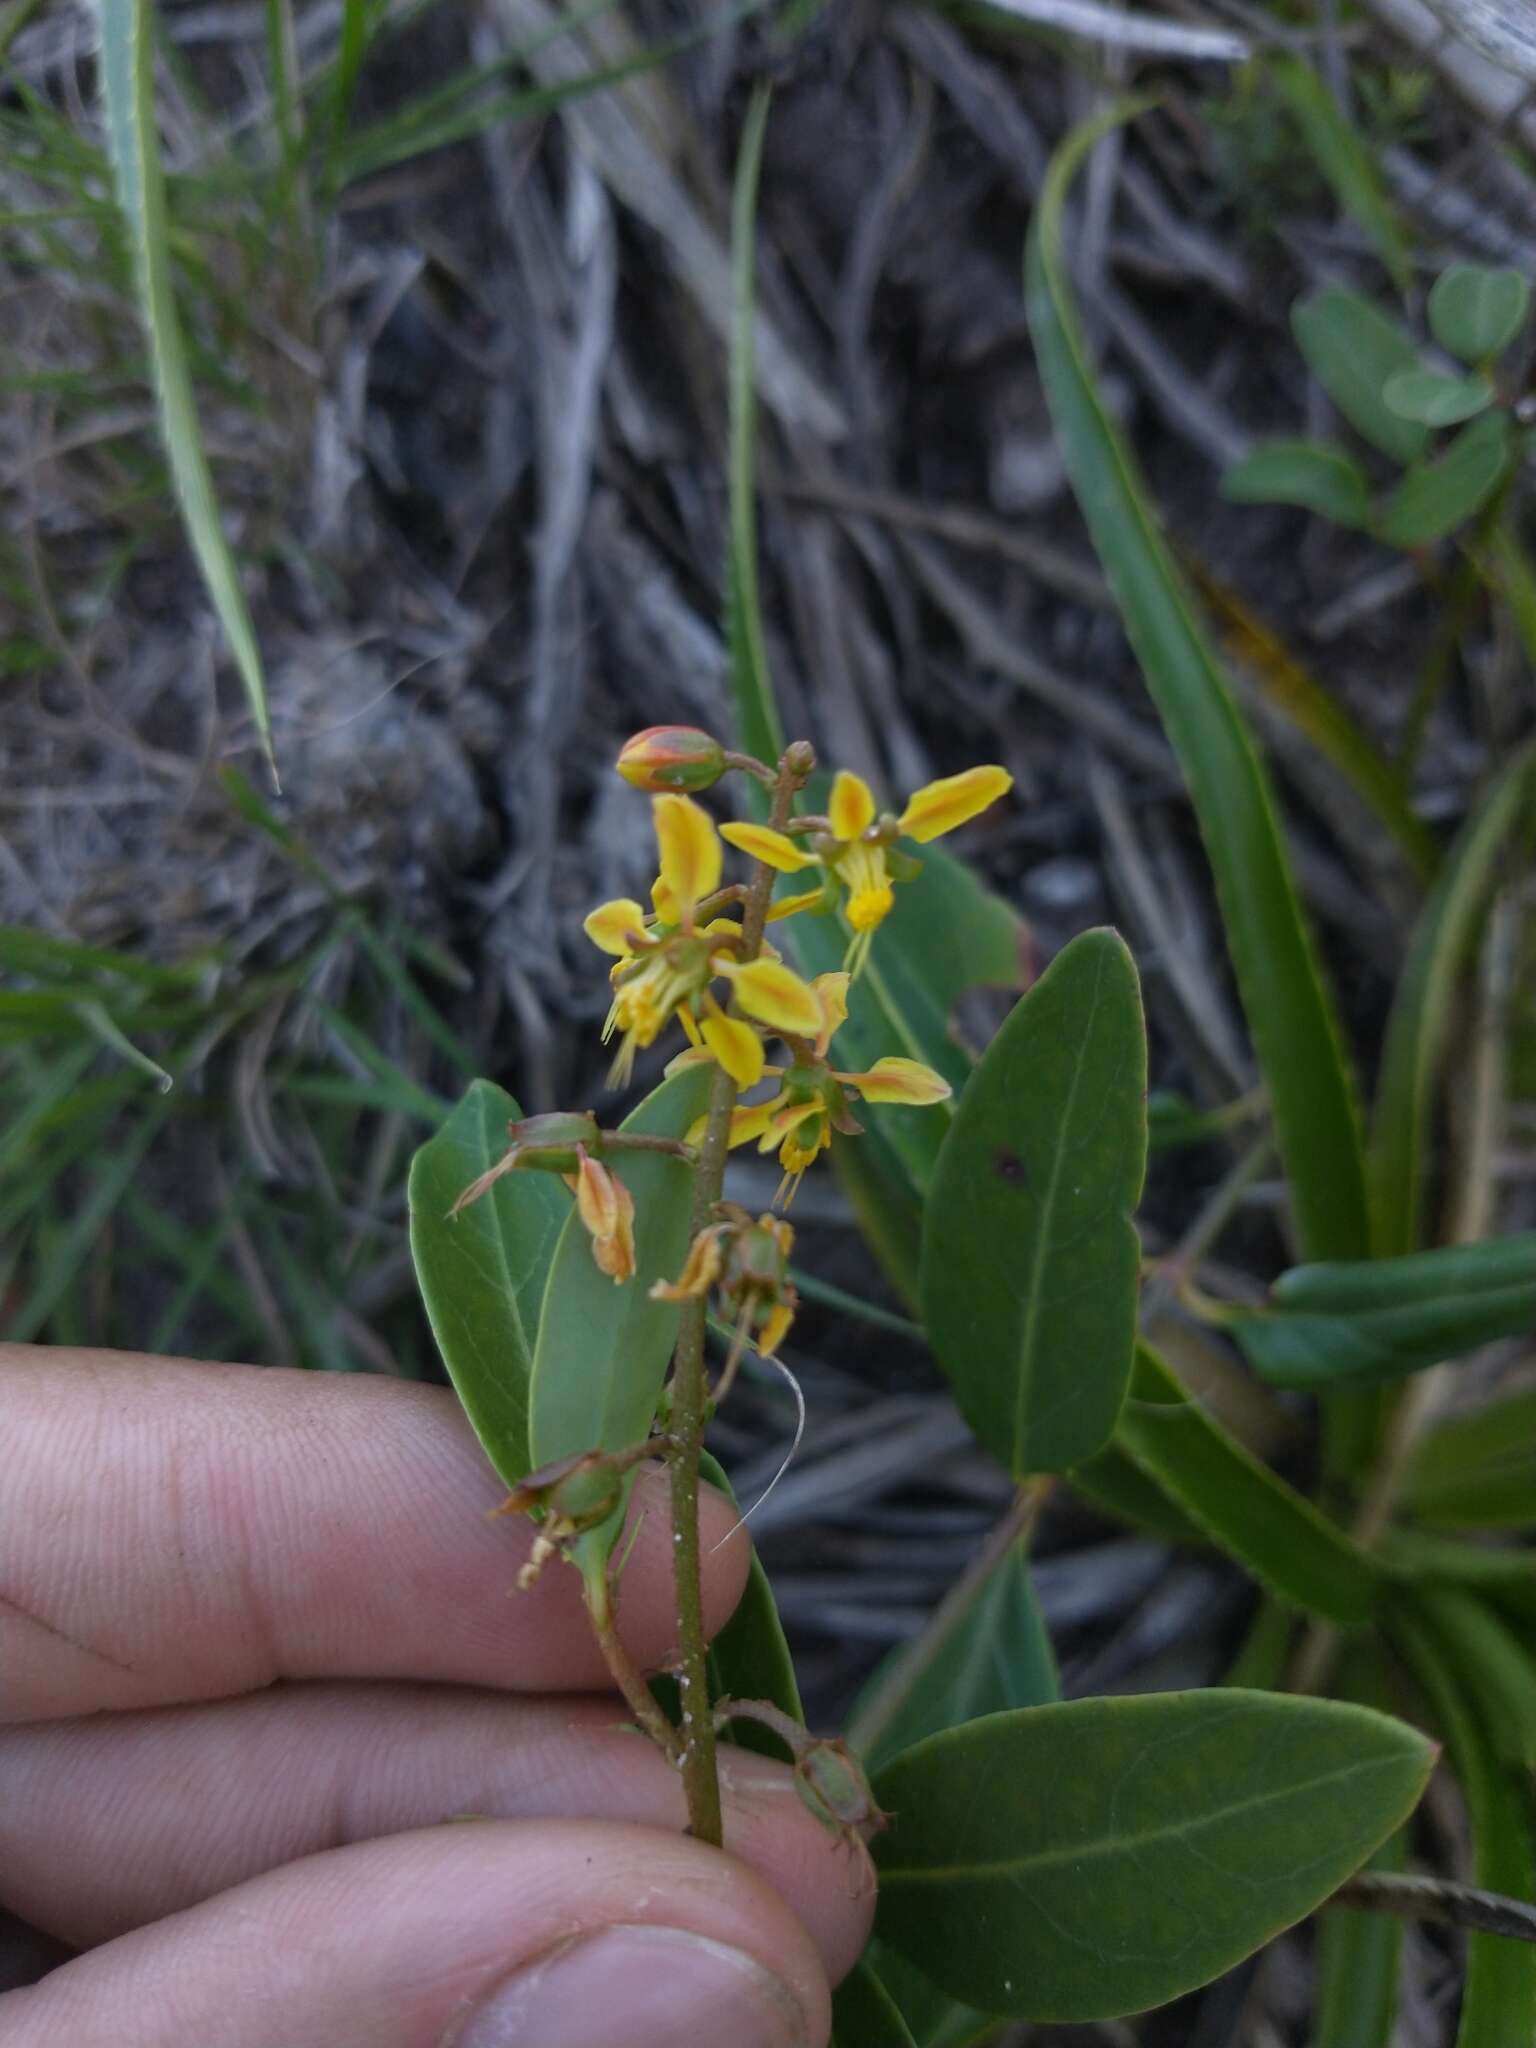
(494,1934)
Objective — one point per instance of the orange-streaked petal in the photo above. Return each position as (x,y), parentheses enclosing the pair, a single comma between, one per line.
(689,847)
(852,808)
(832,996)
(894,1079)
(593,1186)
(775,995)
(952,800)
(735,1045)
(785,1118)
(701,1269)
(748,1121)
(613,925)
(763,843)
(791,906)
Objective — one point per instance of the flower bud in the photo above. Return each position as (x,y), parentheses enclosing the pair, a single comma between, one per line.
(671,757)
(831,1782)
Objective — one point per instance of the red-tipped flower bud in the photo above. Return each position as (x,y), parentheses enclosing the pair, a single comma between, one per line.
(671,757)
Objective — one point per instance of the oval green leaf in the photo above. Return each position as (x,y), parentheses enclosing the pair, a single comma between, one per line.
(603,1350)
(1352,348)
(482,1275)
(1476,313)
(1436,400)
(1306,473)
(1287,1007)
(1030,1259)
(1088,1860)
(1266,1525)
(1435,498)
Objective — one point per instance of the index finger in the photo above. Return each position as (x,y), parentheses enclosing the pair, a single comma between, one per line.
(175,1531)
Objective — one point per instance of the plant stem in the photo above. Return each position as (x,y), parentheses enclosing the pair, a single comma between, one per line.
(689,1389)
(621,1668)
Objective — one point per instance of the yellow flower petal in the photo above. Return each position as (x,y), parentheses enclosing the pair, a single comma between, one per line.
(897,1080)
(690,851)
(952,800)
(832,996)
(790,906)
(748,1121)
(775,1329)
(613,925)
(763,843)
(664,902)
(774,995)
(781,1120)
(693,1056)
(852,809)
(735,1045)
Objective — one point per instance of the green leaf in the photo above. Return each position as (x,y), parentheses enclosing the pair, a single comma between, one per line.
(994,1654)
(1311,474)
(1346,159)
(1088,1860)
(1435,497)
(1288,1012)
(1436,400)
(1380,1319)
(1476,313)
(1477,1471)
(750,1657)
(1272,1530)
(1115,1483)
(1422,1006)
(1498,2003)
(1352,348)
(127,80)
(482,1275)
(603,1351)
(864,2014)
(1030,1259)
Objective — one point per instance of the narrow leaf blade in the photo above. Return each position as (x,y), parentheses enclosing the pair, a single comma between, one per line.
(127,75)
(1288,1011)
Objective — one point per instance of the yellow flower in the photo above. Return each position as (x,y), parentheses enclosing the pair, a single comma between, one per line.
(664,963)
(857,843)
(607,1211)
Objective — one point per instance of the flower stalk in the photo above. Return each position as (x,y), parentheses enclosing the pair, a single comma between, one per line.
(701,1781)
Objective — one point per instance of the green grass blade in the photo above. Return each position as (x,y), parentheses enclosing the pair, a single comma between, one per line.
(1345,159)
(1288,1009)
(1498,2002)
(1422,1008)
(757,716)
(127,76)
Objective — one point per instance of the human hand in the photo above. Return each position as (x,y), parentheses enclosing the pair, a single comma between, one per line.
(257,1651)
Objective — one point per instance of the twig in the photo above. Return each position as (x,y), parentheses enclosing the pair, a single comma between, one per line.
(1439,1902)
(1145,34)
